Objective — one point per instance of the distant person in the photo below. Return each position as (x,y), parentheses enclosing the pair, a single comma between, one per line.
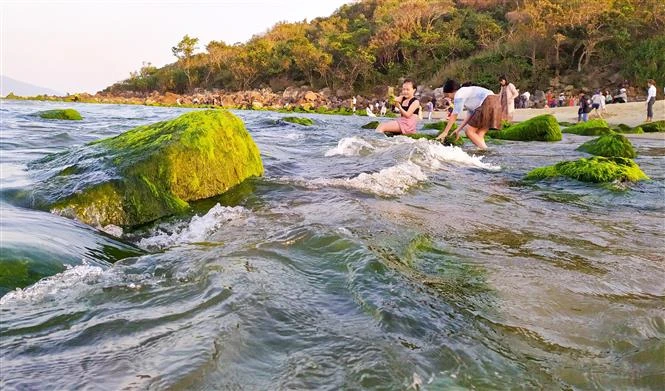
(484,111)
(369,111)
(384,109)
(608,97)
(598,103)
(651,98)
(526,96)
(584,109)
(353,104)
(409,107)
(430,109)
(562,100)
(507,95)
(622,97)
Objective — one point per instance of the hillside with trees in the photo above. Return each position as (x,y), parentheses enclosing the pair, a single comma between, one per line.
(537,43)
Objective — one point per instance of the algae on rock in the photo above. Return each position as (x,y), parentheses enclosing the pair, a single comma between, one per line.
(592,127)
(609,145)
(541,128)
(596,169)
(299,120)
(66,114)
(151,171)
(371,125)
(653,127)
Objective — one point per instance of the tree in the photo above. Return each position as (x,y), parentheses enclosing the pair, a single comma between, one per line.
(184,52)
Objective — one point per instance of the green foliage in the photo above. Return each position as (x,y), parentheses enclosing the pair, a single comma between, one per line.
(371,125)
(623,128)
(596,169)
(66,114)
(609,145)
(653,127)
(299,120)
(151,171)
(648,60)
(541,128)
(593,127)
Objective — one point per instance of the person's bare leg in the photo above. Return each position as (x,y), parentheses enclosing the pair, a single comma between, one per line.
(389,127)
(473,135)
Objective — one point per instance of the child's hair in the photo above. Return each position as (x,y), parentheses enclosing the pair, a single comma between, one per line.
(413,83)
(450,86)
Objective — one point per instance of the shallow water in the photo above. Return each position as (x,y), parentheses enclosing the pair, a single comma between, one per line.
(356,262)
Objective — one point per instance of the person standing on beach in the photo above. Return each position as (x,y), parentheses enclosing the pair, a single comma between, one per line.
(585,108)
(353,104)
(508,94)
(651,99)
(409,107)
(598,103)
(484,111)
(430,108)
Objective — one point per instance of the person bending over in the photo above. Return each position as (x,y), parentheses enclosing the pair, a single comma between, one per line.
(484,109)
(408,107)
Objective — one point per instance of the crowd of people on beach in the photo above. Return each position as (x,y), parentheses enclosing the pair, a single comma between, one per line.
(487,110)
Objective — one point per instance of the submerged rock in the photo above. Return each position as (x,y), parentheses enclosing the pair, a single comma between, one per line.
(66,114)
(150,171)
(299,121)
(596,169)
(609,145)
(371,125)
(593,127)
(623,128)
(653,127)
(541,128)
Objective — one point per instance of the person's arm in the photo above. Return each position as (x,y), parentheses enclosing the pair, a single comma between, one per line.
(408,113)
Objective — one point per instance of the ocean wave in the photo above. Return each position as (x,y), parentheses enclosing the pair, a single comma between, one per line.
(350,146)
(434,155)
(198,229)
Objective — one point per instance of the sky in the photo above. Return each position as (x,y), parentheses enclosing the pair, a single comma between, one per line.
(85,46)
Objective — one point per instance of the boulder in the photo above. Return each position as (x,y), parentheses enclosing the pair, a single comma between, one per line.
(371,125)
(311,96)
(299,121)
(541,128)
(150,171)
(593,127)
(66,114)
(623,128)
(609,145)
(653,127)
(596,169)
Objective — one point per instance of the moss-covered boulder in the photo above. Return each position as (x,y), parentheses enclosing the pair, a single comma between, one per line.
(299,121)
(541,128)
(66,114)
(593,127)
(371,125)
(609,145)
(596,169)
(150,171)
(653,127)
(623,128)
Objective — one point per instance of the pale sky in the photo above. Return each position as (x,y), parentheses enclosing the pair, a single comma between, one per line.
(84,46)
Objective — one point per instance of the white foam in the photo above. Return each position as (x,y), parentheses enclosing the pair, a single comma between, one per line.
(351,146)
(51,286)
(434,155)
(198,229)
(391,181)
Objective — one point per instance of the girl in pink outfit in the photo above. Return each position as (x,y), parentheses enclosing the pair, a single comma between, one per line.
(409,108)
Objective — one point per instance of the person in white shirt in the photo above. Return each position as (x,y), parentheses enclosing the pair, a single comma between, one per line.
(651,99)
(484,109)
(508,94)
(598,103)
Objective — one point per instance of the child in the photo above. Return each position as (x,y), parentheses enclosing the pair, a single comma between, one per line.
(409,107)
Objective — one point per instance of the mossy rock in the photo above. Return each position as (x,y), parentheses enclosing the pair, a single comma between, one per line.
(299,121)
(596,169)
(151,171)
(566,123)
(623,128)
(653,127)
(66,114)
(371,125)
(541,128)
(609,145)
(593,127)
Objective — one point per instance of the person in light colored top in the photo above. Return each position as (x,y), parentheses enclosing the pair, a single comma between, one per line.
(430,109)
(508,94)
(409,108)
(651,99)
(484,109)
(598,103)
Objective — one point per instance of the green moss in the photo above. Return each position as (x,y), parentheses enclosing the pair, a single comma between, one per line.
(609,145)
(299,121)
(653,127)
(596,169)
(566,123)
(594,127)
(66,114)
(623,128)
(541,128)
(153,171)
(371,125)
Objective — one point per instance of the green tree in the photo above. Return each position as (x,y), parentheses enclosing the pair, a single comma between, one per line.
(184,51)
